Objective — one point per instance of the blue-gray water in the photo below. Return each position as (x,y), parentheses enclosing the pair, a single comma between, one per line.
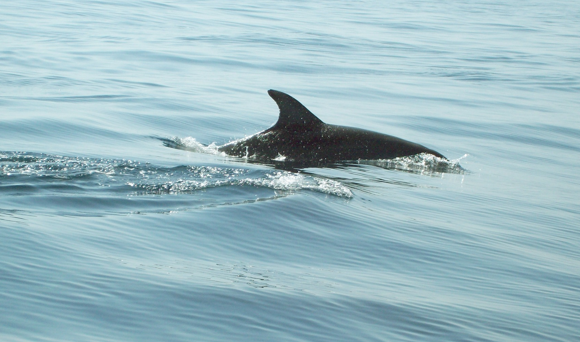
(108,234)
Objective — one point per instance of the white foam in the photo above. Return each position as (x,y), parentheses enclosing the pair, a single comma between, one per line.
(191,144)
(424,163)
(280,180)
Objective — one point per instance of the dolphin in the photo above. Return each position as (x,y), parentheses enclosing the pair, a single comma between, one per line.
(299,136)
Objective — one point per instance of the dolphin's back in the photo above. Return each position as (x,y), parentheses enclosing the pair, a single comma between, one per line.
(299,135)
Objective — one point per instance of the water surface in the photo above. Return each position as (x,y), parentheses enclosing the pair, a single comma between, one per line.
(117,225)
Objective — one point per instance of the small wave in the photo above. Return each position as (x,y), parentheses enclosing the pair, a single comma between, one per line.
(190,144)
(59,167)
(145,178)
(281,180)
(423,163)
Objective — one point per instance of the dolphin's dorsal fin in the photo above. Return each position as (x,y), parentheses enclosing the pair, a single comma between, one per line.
(292,112)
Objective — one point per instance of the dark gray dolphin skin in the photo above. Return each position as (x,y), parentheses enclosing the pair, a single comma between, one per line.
(299,136)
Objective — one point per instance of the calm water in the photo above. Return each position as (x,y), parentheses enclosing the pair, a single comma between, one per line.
(107,233)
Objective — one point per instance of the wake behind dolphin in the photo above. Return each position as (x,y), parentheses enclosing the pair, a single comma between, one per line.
(299,136)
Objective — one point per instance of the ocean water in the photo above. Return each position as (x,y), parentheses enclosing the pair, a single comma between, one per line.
(118,224)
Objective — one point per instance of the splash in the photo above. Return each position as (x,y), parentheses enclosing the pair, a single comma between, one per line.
(423,163)
(191,144)
(284,181)
(136,178)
